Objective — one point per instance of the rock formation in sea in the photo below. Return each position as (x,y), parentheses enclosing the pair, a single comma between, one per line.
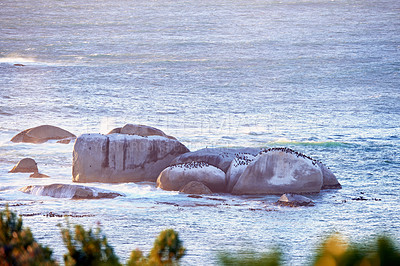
(26,165)
(176,177)
(120,158)
(42,134)
(69,191)
(293,200)
(218,157)
(280,170)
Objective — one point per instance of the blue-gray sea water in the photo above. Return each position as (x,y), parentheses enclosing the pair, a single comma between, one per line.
(318,76)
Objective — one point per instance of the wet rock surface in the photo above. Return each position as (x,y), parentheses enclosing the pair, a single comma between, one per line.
(69,191)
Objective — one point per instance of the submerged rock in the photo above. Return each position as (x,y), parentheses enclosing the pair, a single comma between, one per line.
(38,175)
(218,157)
(178,176)
(280,170)
(293,200)
(195,187)
(42,134)
(26,165)
(120,158)
(69,191)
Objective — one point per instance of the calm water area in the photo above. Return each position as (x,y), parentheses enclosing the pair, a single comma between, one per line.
(321,77)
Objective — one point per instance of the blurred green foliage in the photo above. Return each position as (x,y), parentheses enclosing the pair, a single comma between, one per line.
(335,250)
(167,250)
(87,248)
(17,245)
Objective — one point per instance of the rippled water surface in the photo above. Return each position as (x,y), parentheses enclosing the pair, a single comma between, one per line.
(318,76)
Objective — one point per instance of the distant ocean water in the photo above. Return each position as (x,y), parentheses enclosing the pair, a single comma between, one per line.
(321,77)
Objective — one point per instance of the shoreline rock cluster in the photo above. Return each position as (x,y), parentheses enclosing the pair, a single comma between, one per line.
(136,153)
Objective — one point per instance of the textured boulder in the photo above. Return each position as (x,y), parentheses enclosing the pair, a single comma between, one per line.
(329,179)
(278,171)
(237,167)
(42,134)
(120,158)
(218,157)
(177,176)
(293,200)
(195,187)
(69,191)
(26,165)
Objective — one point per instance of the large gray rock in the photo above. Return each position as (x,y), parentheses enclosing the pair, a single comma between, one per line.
(236,169)
(218,157)
(177,176)
(329,179)
(26,165)
(120,158)
(278,171)
(69,191)
(42,134)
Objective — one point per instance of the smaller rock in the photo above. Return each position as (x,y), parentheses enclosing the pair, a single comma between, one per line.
(115,131)
(42,134)
(141,130)
(38,175)
(294,200)
(26,165)
(195,187)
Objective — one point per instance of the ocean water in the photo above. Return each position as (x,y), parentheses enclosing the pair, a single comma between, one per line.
(318,76)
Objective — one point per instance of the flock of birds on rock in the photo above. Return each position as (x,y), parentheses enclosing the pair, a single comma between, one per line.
(290,151)
(190,165)
(242,159)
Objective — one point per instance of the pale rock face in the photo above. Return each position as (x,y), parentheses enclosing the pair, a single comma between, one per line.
(120,158)
(42,134)
(195,187)
(278,171)
(238,165)
(69,191)
(177,176)
(218,157)
(26,165)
